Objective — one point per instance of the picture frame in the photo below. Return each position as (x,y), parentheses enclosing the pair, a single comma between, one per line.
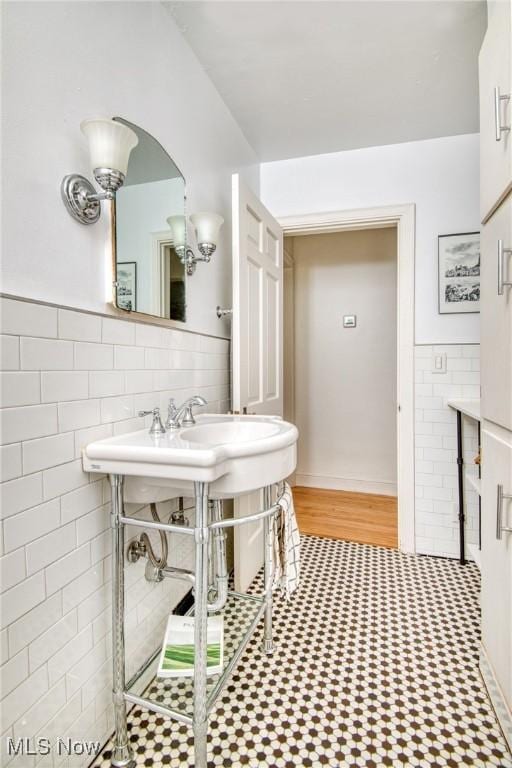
(127,285)
(459,273)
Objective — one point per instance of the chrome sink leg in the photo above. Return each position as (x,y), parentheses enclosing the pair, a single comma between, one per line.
(219,579)
(268,544)
(121,753)
(200,625)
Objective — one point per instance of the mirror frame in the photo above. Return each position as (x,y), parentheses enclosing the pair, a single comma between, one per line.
(135,314)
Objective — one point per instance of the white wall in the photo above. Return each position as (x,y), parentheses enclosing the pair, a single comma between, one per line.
(441,176)
(65,61)
(345,378)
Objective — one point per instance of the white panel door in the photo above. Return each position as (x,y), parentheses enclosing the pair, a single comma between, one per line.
(257,345)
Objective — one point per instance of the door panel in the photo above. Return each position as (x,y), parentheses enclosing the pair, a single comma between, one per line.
(248,542)
(257,346)
(273,348)
(257,356)
(254,336)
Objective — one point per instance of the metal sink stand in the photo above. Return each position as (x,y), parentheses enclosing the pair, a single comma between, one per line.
(203,702)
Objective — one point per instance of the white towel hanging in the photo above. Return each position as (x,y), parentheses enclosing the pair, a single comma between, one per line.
(286,546)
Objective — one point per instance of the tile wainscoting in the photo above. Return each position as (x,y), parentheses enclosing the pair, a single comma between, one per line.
(70,377)
(436,492)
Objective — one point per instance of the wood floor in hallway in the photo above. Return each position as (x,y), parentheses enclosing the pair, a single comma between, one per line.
(363,517)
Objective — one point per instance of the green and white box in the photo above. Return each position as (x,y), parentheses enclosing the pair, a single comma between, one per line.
(178,649)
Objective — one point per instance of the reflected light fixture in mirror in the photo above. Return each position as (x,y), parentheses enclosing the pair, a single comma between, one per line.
(206,226)
(110,145)
(178,225)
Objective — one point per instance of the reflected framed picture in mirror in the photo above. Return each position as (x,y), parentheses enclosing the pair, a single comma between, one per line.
(150,277)
(127,285)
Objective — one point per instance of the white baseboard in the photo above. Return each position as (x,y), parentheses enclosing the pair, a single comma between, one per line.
(346,484)
(498,702)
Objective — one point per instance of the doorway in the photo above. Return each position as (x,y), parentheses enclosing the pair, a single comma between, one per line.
(342,381)
(348,345)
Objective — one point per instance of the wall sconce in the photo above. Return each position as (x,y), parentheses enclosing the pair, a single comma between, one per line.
(110,144)
(206,226)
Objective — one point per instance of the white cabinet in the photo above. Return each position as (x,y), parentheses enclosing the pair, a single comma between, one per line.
(497,557)
(496,357)
(495,73)
(496,316)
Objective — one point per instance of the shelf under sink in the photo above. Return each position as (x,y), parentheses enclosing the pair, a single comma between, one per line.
(176,693)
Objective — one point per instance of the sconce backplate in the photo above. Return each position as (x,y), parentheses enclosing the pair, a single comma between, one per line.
(75,191)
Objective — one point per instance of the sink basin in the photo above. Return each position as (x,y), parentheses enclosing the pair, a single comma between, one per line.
(225,432)
(234,454)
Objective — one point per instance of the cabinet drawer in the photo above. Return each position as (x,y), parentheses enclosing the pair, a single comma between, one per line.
(495,73)
(496,316)
(496,597)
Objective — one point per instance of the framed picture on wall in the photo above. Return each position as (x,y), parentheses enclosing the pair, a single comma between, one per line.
(459,273)
(127,285)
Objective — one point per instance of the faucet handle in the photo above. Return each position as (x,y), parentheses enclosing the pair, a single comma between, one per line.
(157,428)
(188,417)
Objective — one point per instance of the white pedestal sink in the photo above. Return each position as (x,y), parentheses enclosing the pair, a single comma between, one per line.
(234,454)
(221,456)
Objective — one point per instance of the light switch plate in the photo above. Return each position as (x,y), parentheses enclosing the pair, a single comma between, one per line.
(439,363)
(349,321)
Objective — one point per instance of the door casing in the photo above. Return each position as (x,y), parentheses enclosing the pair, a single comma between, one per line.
(403,217)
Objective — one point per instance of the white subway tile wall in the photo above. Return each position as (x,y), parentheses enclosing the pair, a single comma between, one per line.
(69,378)
(437,527)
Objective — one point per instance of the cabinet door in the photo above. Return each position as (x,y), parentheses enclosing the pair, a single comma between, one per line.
(496,317)
(497,560)
(494,69)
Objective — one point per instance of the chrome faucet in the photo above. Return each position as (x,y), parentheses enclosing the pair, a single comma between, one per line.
(182,416)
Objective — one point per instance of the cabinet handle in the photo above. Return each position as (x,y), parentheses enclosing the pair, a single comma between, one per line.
(501,267)
(499,512)
(498,98)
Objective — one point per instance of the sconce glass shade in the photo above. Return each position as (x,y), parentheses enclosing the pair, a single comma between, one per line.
(178,226)
(207,227)
(110,143)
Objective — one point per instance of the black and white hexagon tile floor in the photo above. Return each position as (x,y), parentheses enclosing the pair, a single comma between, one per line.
(376,664)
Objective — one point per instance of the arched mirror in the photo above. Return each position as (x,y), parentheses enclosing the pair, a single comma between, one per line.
(150,278)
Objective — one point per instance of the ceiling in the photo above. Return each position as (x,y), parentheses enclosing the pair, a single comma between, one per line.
(308,77)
